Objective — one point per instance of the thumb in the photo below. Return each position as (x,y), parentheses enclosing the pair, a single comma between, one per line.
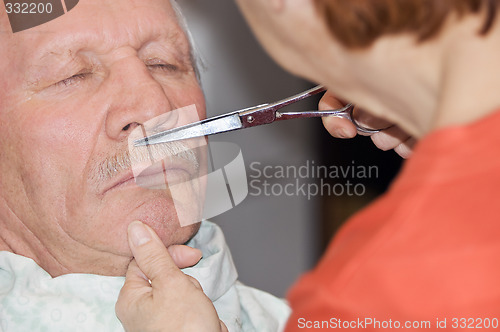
(150,253)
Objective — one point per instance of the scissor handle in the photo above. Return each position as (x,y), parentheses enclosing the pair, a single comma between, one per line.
(266,113)
(349,115)
(345,112)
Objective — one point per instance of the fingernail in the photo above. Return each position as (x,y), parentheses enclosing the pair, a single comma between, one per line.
(138,233)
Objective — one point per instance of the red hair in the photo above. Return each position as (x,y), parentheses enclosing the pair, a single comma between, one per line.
(358,23)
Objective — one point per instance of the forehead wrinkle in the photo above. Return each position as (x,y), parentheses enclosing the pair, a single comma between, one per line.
(148,27)
(139,29)
(131,27)
(168,37)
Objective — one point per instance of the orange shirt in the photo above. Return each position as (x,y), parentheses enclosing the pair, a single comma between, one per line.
(428,250)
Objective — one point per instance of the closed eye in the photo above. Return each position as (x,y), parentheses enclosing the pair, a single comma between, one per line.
(164,67)
(72,80)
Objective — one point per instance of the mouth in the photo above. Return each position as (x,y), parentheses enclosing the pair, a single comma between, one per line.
(159,175)
(163,174)
(125,179)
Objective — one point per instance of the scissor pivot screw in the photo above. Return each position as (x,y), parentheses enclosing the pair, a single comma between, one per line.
(250,119)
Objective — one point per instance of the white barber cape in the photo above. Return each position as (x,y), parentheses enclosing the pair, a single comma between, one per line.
(31,300)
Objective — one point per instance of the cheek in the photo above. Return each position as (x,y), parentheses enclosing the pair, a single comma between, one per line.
(47,145)
(33,166)
(58,138)
(186,95)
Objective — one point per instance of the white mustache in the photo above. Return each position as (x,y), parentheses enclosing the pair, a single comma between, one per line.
(123,161)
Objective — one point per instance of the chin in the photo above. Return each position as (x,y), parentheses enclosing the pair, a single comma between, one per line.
(163,218)
(156,210)
(171,232)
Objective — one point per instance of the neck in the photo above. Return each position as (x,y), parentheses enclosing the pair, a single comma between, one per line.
(470,81)
(4,246)
(15,237)
(449,80)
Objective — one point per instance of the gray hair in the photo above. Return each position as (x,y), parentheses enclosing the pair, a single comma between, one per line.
(196,59)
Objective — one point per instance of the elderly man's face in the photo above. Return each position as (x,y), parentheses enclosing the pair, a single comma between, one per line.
(71,91)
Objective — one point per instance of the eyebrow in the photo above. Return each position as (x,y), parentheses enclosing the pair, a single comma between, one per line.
(58,46)
(67,48)
(44,60)
(52,53)
(62,51)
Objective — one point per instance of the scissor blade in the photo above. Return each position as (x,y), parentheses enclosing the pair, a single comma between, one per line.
(206,127)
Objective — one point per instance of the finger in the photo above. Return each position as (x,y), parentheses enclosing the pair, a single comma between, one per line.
(135,288)
(195,282)
(336,126)
(223,327)
(184,256)
(339,127)
(390,138)
(405,149)
(135,275)
(150,253)
(329,102)
(366,120)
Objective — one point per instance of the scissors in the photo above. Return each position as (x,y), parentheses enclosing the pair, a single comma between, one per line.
(251,117)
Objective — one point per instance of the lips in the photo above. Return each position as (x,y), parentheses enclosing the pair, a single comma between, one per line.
(121,180)
(160,175)
(163,174)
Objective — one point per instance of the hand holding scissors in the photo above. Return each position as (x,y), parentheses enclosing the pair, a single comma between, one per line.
(251,117)
(390,138)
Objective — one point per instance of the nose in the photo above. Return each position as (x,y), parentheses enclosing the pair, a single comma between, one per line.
(135,97)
